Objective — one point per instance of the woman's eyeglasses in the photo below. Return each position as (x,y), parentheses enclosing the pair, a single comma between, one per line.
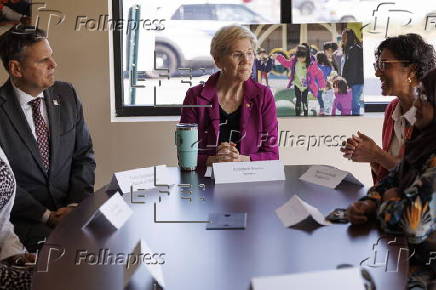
(381,65)
(240,55)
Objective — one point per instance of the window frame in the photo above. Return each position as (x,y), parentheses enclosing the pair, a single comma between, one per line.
(373,107)
(122,110)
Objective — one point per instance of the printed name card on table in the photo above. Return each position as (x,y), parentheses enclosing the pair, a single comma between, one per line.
(296,210)
(236,172)
(115,210)
(209,173)
(328,176)
(141,250)
(348,278)
(140,178)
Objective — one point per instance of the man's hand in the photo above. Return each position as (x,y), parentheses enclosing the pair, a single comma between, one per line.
(22,259)
(64,211)
(359,211)
(57,216)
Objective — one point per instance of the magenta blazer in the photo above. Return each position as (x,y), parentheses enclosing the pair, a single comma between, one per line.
(258,125)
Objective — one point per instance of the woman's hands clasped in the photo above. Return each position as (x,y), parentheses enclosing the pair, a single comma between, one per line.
(361,148)
(227,152)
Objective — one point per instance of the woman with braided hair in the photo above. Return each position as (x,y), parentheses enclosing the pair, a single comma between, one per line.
(404,202)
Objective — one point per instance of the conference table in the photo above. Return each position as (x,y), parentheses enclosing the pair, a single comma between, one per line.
(172,222)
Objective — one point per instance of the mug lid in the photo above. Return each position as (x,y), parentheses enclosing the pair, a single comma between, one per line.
(187,125)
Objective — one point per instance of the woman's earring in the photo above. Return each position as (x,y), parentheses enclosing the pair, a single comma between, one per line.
(409,79)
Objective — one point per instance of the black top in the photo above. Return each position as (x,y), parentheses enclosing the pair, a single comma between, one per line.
(229,128)
(353,66)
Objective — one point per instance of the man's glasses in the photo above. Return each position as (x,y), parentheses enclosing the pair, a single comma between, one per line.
(240,55)
(381,65)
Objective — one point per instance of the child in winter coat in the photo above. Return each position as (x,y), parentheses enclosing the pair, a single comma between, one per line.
(343,97)
(326,67)
(305,76)
(263,64)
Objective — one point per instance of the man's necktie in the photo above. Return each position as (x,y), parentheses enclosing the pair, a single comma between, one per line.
(41,130)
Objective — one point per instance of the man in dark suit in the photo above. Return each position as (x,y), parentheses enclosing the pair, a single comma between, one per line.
(44,136)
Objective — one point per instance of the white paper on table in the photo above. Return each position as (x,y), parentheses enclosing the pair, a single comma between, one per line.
(328,176)
(236,172)
(155,270)
(343,279)
(296,210)
(116,210)
(130,268)
(141,178)
(209,172)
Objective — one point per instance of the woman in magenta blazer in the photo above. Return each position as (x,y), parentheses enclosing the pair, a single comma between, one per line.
(238,121)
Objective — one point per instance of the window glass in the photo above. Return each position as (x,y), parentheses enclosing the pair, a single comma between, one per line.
(162,60)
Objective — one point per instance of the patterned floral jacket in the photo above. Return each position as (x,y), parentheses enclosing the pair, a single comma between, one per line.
(414,213)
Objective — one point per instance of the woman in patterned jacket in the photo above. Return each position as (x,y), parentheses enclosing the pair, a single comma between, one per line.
(404,202)
(13,258)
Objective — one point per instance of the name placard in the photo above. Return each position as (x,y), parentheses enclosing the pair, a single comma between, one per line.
(237,172)
(297,210)
(140,178)
(115,210)
(348,278)
(328,176)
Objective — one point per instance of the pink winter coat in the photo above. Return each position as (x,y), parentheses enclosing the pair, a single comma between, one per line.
(315,78)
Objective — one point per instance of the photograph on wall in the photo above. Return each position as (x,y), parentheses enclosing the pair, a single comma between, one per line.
(14,12)
(312,69)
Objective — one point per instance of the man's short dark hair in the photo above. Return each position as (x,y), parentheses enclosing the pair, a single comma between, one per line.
(13,42)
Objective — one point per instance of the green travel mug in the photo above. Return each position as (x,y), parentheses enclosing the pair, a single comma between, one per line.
(186,136)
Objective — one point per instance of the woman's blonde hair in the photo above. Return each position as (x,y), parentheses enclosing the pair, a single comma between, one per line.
(226,36)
